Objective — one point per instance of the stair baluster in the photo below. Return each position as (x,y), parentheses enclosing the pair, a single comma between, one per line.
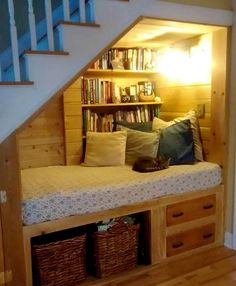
(32,27)
(82,11)
(66,10)
(48,12)
(14,42)
(90,11)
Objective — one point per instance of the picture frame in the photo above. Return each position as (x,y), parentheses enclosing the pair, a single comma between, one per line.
(117,65)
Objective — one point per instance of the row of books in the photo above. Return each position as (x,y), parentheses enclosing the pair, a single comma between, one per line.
(98,91)
(142,113)
(104,91)
(96,122)
(132,59)
(104,122)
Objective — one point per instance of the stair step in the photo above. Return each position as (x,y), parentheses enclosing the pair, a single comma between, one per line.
(79,24)
(34,52)
(16,83)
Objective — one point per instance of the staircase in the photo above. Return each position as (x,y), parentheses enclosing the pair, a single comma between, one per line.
(72,46)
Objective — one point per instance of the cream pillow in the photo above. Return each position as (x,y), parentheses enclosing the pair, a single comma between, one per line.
(105,149)
(158,124)
(140,144)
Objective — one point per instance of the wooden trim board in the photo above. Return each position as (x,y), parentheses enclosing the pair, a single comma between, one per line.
(11,212)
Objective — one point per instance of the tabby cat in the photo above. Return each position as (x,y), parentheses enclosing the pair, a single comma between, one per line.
(148,164)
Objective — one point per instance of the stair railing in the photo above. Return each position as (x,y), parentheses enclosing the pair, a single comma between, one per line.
(14,42)
(86,14)
(32,27)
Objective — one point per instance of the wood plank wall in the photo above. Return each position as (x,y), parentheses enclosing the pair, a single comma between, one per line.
(11,214)
(41,143)
(178,100)
(219,120)
(179,96)
(2,269)
(73,124)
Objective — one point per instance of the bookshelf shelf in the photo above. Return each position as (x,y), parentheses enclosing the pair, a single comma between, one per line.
(116,72)
(120,104)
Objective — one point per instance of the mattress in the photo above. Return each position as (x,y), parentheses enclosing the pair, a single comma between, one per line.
(56,192)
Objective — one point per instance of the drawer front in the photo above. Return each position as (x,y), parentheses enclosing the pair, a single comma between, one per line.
(190,239)
(190,210)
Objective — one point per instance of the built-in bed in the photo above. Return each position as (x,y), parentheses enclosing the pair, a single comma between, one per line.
(57,192)
(182,203)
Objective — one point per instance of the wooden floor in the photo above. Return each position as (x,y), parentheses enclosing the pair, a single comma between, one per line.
(212,268)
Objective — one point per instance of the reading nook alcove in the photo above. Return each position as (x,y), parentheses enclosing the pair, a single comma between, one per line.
(178,210)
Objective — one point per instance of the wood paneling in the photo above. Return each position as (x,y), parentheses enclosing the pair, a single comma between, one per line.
(178,100)
(2,269)
(219,98)
(73,123)
(41,143)
(11,216)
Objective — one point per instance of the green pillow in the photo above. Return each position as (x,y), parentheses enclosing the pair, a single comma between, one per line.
(176,143)
(140,126)
(140,144)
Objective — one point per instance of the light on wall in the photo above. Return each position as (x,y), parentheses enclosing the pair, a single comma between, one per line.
(191,65)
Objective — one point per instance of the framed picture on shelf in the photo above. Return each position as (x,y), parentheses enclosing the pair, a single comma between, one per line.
(117,65)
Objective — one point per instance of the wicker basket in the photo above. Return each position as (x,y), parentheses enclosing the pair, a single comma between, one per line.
(115,250)
(61,263)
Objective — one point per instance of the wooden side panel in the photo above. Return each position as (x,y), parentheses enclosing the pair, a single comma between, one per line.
(73,124)
(42,142)
(11,213)
(178,100)
(220,212)
(159,234)
(219,97)
(2,269)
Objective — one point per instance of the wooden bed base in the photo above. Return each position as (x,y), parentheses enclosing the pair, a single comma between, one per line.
(175,225)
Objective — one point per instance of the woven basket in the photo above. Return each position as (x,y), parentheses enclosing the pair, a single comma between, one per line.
(61,263)
(115,250)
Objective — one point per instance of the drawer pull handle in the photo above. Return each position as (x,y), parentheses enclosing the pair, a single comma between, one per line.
(207,235)
(177,214)
(208,206)
(177,244)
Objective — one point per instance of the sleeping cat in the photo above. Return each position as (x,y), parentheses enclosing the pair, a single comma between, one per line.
(149,164)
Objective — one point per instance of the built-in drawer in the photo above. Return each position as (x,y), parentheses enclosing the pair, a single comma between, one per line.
(190,210)
(190,239)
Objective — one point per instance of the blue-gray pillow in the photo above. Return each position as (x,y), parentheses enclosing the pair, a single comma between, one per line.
(140,126)
(176,143)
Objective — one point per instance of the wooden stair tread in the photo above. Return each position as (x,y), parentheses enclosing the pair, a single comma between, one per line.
(8,83)
(58,53)
(79,24)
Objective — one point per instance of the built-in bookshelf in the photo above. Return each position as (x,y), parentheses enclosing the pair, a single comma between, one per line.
(102,117)
(128,58)
(104,91)
(110,95)
(107,93)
